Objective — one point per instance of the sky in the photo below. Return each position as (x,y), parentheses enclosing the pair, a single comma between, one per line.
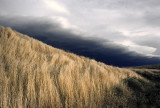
(116,32)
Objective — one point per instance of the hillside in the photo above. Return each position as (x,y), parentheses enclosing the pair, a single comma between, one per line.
(36,75)
(151,92)
(148,67)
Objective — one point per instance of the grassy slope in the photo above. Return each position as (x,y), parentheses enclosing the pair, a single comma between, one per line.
(33,74)
(157,67)
(149,93)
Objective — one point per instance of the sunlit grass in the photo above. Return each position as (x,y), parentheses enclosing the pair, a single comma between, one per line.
(35,75)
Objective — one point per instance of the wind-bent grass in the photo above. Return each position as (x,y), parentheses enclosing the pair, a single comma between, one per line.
(35,75)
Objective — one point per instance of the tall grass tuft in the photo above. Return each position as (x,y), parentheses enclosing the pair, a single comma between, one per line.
(36,75)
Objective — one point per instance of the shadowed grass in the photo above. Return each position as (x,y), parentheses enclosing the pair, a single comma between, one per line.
(147,93)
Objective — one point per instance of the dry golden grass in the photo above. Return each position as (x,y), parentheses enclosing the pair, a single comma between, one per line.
(36,75)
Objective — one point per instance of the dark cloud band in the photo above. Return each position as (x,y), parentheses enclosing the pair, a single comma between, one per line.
(52,33)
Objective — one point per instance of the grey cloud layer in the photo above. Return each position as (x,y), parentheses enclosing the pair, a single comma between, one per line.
(127,18)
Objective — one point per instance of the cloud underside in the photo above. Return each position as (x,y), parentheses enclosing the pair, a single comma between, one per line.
(54,32)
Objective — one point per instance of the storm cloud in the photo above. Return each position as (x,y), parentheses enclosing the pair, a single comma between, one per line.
(53,33)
